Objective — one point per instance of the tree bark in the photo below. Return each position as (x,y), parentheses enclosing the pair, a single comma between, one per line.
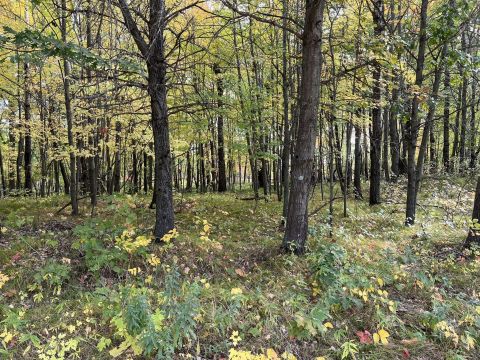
(376,138)
(302,162)
(474,232)
(411,128)
(69,116)
(222,175)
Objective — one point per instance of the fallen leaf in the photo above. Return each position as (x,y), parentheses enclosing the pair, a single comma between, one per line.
(240,272)
(364,336)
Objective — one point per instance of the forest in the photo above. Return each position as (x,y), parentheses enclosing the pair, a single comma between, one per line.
(240,179)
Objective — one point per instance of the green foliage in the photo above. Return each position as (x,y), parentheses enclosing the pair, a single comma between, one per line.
(95,241)
(43,46)
(53,274)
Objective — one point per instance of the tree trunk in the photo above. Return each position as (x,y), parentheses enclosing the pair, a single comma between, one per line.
(463,128)
(91,163)
(302,162)
(28,136)
(474,232)
(69,116)
(446,122)
(411,127)
(357,173)
(376,138)
(222,176)
(286,124)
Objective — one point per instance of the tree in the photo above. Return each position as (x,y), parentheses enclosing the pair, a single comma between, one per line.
(302,162)
(376,138)
(412,125)
(153,53)
(474,232)
(69,115)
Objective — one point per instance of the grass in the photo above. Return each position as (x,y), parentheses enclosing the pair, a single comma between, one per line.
(67,276)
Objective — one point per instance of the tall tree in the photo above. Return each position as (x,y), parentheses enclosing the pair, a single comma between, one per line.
(376,138)
(302,162)
(412,125)
(153,54)
(69,115)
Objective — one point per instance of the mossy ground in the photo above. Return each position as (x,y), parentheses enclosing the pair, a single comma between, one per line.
(421,268)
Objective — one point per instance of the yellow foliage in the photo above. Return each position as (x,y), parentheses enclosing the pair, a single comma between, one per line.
(381,337)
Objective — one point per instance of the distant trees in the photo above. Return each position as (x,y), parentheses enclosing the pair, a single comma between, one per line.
(131,96)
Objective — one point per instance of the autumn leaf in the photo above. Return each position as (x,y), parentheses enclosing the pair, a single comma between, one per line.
(381,337)
(364,337)
(240,272)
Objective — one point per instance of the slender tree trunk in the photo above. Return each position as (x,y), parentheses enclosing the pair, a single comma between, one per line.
(222,176)
(117,169)
(286,123)
(456,129)
(357,173)
(473,132)
(302,162)
(3,188)
(474,232)
(411,130)
(429,122)
(463,128)
(446,121)
(376,138)
(91,163)
(69,116)
(386,123)
(28,137)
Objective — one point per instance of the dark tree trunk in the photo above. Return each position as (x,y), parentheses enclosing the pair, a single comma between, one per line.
(154,55)
(446,122)
(11,167)
(456,129)
(386,123)
(135,175)
(411,128)
(164,220)
(463,128)
(357,173)
(69,116)
(3,188)
(28,136)
(376,138)
(66,180)
(117,161)
(91,163)
(474,232)
(472,145)
(302,162)
(222,176)
(286,124)
(189,171)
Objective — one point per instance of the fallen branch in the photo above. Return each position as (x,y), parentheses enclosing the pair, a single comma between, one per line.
(323,205)
(70,203)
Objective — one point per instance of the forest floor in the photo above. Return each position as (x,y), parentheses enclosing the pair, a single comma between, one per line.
(96,288)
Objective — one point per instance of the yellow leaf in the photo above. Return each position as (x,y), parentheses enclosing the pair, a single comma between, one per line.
(328,325)
(236,291)
(381,337)
(271,354)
